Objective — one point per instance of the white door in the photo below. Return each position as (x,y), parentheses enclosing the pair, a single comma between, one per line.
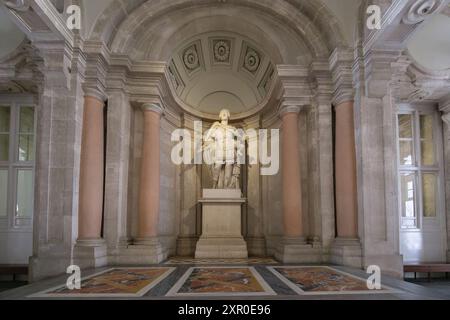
(421,185)
(17,144)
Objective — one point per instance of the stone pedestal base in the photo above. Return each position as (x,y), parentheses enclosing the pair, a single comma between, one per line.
(221,248)
(346,252)
(143,252)
(256,246)
(221,225)
(90,253)
(186,246)
(296,250)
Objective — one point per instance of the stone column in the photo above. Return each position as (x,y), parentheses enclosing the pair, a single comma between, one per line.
(90,249)
(345,157)
(292,248)
(147,248)
(150,175)
(292,202)
(346,248)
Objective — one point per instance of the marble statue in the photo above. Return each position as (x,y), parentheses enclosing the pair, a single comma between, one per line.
(221,153)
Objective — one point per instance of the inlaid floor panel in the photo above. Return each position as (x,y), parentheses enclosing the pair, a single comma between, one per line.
(193,261)
(221,281)
(116,282)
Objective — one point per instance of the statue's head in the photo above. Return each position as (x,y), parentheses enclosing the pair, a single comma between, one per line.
(224,115)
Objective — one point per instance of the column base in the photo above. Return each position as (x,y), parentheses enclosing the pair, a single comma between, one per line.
(90,253)
(296,250)
(144,251)
(186,246)
(256,246)
(346,252)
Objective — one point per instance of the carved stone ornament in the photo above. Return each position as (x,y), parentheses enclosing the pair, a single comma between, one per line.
(421,9)
(222,51)
(191,59)
(18,5)
(252,60)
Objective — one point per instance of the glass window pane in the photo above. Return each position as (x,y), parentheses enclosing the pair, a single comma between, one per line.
(3,192)
(24,205)
(26,120)
(406,153)
(408,199)
(4,147)
(5,115)
(427,140)
(429,189)
(26,147)
(405,126)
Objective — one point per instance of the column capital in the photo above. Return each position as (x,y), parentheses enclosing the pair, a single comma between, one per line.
(152,107)
(343,102)
(341,66)
(290,109)
(95,93)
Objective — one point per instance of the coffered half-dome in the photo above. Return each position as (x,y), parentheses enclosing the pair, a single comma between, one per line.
(221,69)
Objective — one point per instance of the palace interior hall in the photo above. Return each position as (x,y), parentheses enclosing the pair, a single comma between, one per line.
(355,112)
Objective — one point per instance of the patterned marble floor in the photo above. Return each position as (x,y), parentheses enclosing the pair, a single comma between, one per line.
(193,261)
(227,281)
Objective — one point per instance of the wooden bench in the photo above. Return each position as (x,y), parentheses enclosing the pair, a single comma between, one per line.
(428,268)
(13,270)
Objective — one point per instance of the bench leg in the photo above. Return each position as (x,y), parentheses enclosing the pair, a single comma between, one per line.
(415,275)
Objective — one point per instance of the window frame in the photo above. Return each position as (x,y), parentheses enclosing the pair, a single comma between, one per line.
(12,222)
(417,169)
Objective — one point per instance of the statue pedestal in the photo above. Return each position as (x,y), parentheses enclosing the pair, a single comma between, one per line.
(221,225)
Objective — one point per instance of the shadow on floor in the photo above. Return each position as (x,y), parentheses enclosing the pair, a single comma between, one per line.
(440,285)
(8,285)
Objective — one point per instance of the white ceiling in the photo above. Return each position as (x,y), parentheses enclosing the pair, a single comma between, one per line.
(430,45)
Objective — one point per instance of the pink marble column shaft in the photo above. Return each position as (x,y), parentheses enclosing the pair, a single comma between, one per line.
(346,192)
(292,192)
(149,190)
(91,170)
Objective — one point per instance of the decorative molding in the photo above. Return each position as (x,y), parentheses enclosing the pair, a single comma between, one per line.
(18,5)
(341,66)
(422,9)
(266,82)
(446,118)
(250,59)
(222,51)
(444,106)
(174,75)
(192,57)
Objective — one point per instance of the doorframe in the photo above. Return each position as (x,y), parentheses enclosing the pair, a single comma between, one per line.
(415,109)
